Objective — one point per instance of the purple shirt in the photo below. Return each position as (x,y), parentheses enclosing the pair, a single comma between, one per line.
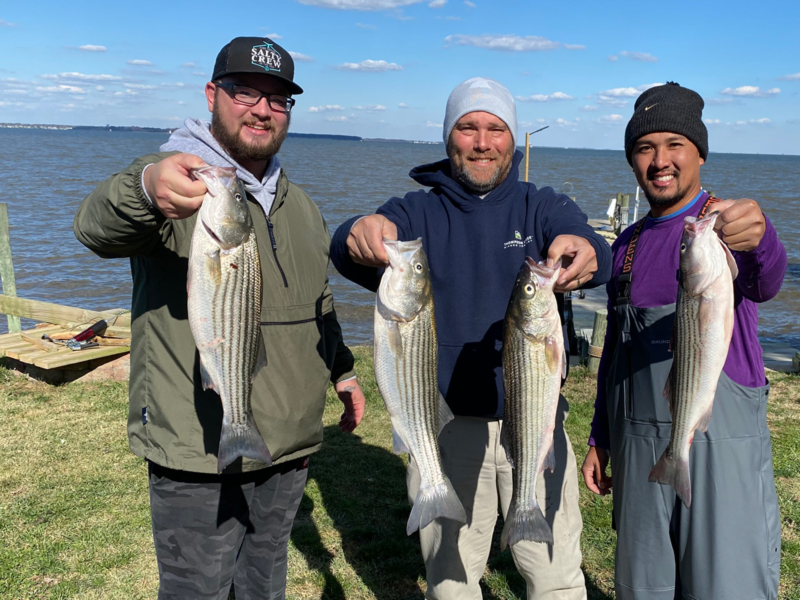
(654,283)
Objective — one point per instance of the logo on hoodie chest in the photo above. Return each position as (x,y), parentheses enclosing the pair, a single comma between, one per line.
(517,242)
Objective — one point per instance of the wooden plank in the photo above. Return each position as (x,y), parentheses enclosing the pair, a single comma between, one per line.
(45,345)
(7,266)
(62,359)
(58,313)
(12,339)
(28,354)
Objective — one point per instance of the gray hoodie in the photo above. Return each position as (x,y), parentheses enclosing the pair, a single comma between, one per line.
(195,138)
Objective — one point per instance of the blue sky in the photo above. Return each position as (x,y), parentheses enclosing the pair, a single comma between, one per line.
(384,68)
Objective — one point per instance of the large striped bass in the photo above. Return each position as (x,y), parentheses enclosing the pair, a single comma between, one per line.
(701,335)
(533,365)
(405,370)
(224,288)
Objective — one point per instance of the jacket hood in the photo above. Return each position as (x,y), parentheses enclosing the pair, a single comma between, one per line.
(195,138)
(439,176)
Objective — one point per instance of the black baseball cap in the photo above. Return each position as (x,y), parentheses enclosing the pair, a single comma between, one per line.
(256,55)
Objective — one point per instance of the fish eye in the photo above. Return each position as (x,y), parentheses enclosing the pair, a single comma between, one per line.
(418,267)
(683,247)
(529,289)
(238,197)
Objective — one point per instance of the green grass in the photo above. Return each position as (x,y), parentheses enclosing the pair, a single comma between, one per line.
(75,520)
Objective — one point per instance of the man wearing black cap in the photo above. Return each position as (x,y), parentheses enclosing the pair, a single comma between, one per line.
(726,543)
(211,530)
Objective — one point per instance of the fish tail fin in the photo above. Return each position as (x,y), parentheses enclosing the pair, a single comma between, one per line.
(674,471)
(241,440)
(525,523)
(434,502)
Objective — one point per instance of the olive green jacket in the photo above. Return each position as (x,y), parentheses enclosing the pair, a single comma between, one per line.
(171,420)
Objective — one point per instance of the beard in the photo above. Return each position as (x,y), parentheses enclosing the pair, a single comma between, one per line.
(459,167)
(660,200)
(229,139)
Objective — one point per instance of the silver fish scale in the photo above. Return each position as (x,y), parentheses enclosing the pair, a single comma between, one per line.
(237,319)
(408,385)
(531,401)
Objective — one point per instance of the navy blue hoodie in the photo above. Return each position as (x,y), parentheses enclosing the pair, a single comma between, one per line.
(475,248)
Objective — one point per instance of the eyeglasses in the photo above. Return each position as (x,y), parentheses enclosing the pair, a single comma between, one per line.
(250,97)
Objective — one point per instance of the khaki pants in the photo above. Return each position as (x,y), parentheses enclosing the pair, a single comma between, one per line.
(455,555)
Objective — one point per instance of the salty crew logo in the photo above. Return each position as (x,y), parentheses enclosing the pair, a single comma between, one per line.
(266,57)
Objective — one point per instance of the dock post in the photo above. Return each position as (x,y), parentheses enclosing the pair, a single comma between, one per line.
(598,338)
(7,266)
(623,201)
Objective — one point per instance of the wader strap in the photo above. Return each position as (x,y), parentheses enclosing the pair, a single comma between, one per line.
(624,279)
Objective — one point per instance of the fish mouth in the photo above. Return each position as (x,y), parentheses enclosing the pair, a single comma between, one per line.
(544,275)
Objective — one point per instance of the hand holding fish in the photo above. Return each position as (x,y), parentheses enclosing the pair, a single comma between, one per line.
(172,189)
(594,471)
(365,241)
(352,397)
(741,224)
(578,259)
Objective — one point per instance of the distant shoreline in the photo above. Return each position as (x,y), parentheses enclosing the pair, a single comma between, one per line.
(319,136)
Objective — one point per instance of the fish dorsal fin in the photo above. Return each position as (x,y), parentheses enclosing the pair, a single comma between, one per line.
(445,414)
(731,261)
(205,378)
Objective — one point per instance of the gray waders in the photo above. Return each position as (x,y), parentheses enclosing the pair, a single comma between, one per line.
(727,544)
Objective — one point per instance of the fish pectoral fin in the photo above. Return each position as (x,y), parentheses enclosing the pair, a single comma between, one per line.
(550,459)
(398,443)
(553,354)
(395,339)
(261,359)
(205,378)
(445,414)
(214,267)
(731,261)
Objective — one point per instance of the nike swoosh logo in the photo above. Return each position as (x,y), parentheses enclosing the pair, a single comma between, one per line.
(646,108)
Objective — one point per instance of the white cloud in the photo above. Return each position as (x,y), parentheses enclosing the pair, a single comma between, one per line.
(300,57)
(140,62)
(611,101)
(139,86)
(741,122)
(188,65)
(62,89)
(325,108)
(371,107)
(81,77)
(469,4)
(792,77)
(6,24)
(621,92)
(613,58)
(92,48)
(716,101)
(359,4)
(199,74)
(402,105)
(762,121)
(574,47)
(640,56)
(437,3)
(555,96)
(565,123)
(506,43)
(339,119)
(272,36)
(589,108)
(366,26)
(371,66)
(751,91)
(433,125)
(610,119)
(712,121)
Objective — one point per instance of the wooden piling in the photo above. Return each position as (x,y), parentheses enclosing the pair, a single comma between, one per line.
(7,266)
(598,338)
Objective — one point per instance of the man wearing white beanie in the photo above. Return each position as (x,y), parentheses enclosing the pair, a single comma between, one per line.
(478,222)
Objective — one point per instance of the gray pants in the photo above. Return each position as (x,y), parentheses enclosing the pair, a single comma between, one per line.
(213,530)
(455,556)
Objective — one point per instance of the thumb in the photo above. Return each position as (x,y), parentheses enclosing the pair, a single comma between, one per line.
(190,161)
(556,250)
(721,207)
(388,230)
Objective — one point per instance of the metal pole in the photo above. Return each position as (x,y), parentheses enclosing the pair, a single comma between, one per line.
(527,153)
(636,206)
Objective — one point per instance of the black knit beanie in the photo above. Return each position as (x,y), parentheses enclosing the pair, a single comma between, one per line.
(672,108)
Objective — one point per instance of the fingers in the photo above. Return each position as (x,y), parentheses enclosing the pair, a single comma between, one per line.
(172,189)
(741,224)
(365,241)
(354,402)
(593,471)
(578,261)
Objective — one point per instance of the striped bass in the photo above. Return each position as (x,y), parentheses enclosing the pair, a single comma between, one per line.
(533,366)
(405,370)
(224,301)
(701,335)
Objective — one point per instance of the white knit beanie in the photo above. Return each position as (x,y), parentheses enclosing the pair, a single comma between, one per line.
(480,94)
